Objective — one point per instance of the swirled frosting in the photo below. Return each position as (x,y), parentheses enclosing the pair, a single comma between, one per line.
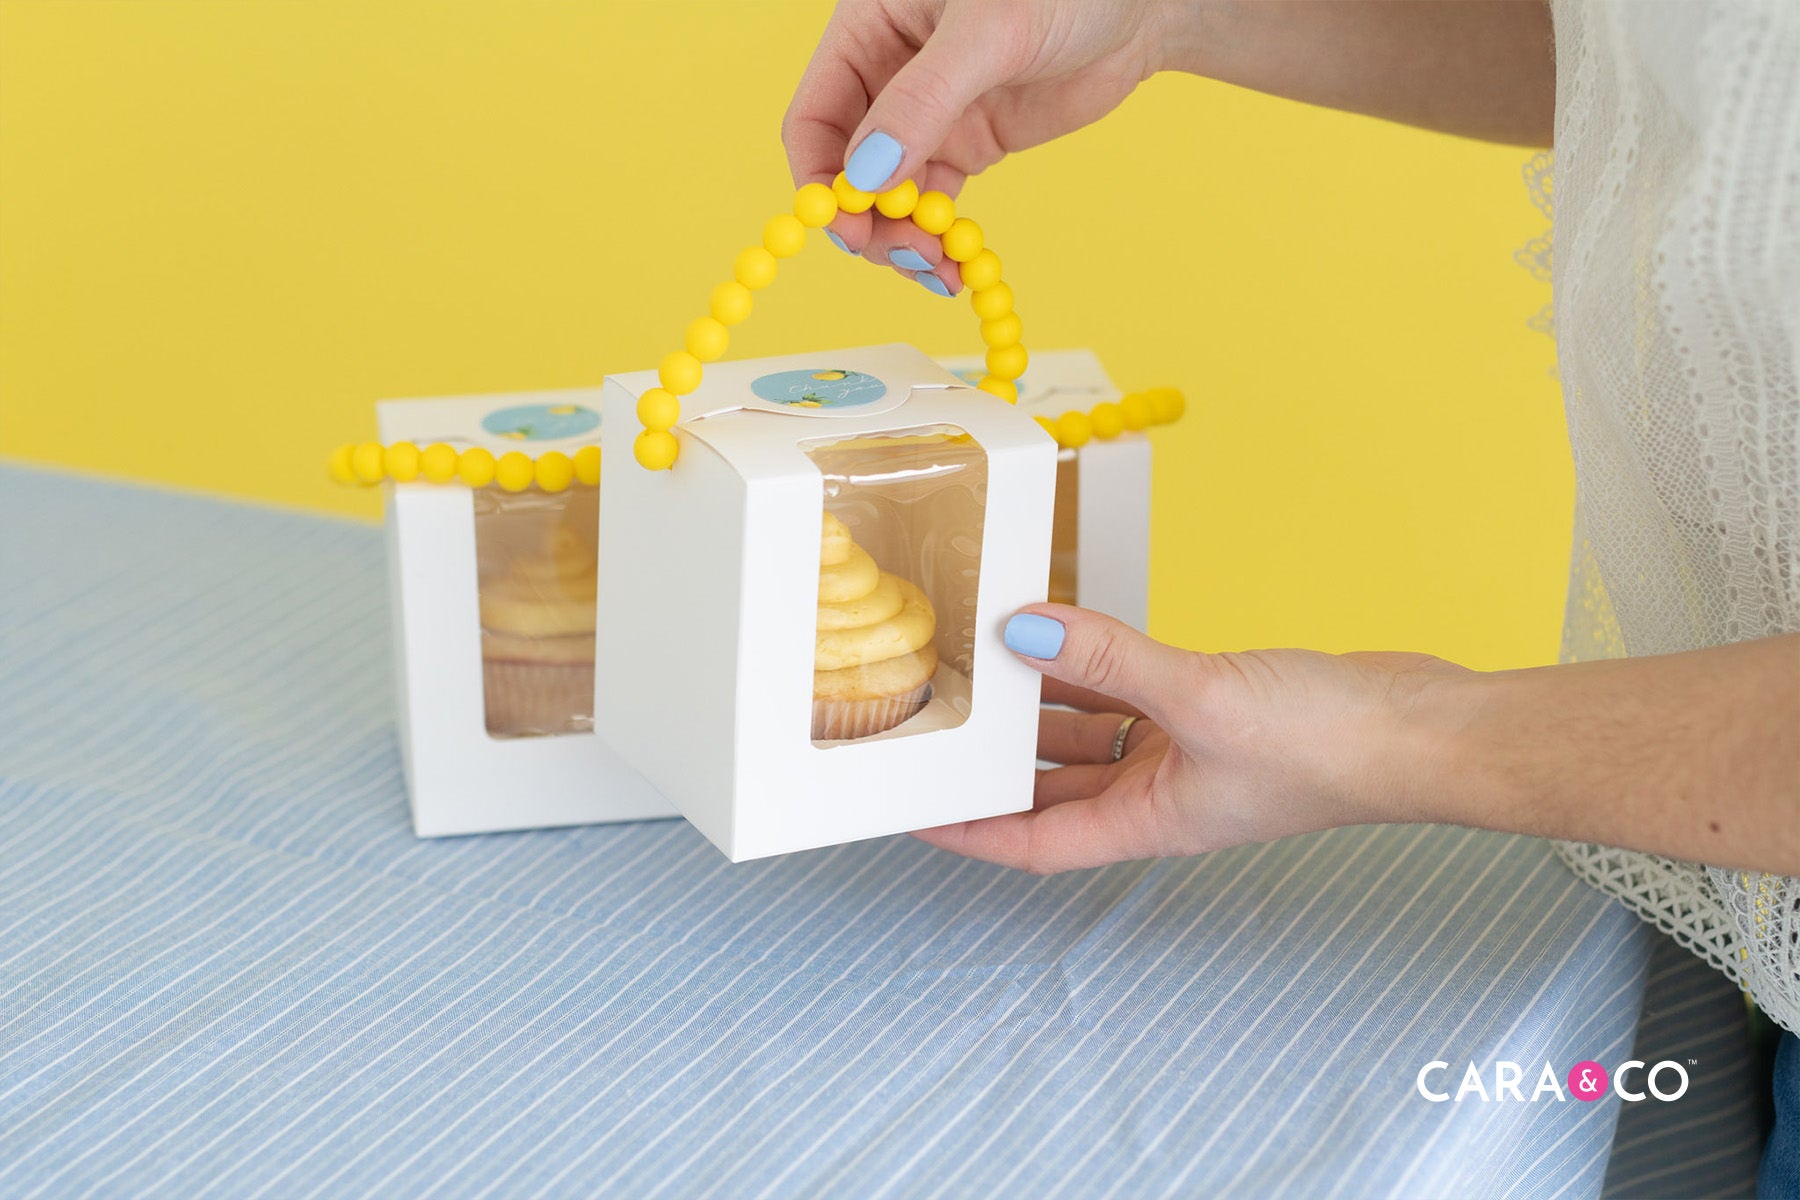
(866,615)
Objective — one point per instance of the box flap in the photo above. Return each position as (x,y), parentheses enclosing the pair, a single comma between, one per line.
(1054,382)
(529,421)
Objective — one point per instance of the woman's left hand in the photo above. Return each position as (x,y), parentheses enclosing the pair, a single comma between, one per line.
(1229,748)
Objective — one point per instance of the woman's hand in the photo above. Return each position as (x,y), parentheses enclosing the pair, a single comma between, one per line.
(1693,755)
(938,90)
(1230,748)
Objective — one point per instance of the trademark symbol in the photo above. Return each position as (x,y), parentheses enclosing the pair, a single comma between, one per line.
(1693,1062)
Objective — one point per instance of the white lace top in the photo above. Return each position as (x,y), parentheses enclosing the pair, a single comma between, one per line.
(1677,313)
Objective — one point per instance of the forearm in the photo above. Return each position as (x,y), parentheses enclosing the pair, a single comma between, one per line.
(1695,755)
(1481,68)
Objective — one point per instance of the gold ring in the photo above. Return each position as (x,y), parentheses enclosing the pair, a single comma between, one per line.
(1124,732)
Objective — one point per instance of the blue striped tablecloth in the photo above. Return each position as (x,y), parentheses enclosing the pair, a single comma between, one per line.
(227,968)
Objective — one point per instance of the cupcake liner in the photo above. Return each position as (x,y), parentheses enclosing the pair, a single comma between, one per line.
(527,699)
(842,720)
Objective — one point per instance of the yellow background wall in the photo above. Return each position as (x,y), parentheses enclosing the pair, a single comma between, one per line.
(228,226)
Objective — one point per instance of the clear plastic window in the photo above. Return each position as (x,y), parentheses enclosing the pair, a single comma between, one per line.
(535,555)
(1064,527)
(900,565)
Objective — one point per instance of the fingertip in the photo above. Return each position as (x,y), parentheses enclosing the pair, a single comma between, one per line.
(874,161)
(1034,635)
(908,259)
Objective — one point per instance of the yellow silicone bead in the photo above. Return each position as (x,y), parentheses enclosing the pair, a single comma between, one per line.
(934,213)
(962,241)
(982,271)
(1074,428)
(656,449)
(1108,420)
(554,471)
(476,467)
(438,463)
(1006,389)
(658,408)
(992,303)
(707,338)
(679,372)
(754,267)
(898,202)
(1166,404)
(815,206)
(340,466)
(401,461)
(1136,410)
(1047,425)
(848,198)
(731,302)
(514,471)
(1003,331)
(365,461)
(784,236)
(587,465)
(1007,362)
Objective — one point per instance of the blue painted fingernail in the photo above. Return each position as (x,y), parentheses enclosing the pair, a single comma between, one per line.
(1034,636)
(839,242)
(908,259)
(931,283)
(874,160)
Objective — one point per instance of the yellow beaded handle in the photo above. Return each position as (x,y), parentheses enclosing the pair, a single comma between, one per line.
(679,373)
(815,206)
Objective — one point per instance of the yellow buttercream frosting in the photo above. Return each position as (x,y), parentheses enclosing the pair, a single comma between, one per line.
(866,615)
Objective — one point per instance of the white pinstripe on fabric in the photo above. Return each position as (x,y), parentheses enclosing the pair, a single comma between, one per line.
(1425,1159)
(1197,975)
(234,972)
(727,987)
(427,1062)
(1402,1042)
(1347,1041)
(829,1130)
(653,963)
(1288,971)
(1522,1011)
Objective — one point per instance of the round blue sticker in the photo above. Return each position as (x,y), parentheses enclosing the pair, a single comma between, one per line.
(820,388)
(541,422)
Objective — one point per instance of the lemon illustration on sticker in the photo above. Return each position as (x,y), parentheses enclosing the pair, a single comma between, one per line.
(540,422)
(820,387)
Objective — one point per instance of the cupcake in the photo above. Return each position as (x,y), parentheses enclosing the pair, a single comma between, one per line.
(537,639)
(873,658)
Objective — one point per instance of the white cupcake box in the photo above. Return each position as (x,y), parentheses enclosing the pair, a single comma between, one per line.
(709,586)
(460,777)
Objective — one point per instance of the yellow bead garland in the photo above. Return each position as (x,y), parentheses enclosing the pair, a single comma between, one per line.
(816,205)
(368,463)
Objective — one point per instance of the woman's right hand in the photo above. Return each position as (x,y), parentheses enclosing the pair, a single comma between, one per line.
(938,90)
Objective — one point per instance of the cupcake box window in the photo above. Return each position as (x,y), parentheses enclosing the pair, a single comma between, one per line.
(492,529)
(809,604)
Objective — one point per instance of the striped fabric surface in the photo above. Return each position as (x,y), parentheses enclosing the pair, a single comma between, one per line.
(227,968)
(1709,1144)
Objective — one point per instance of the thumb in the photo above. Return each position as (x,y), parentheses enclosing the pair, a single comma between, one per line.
(915,113)
(1102,655)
